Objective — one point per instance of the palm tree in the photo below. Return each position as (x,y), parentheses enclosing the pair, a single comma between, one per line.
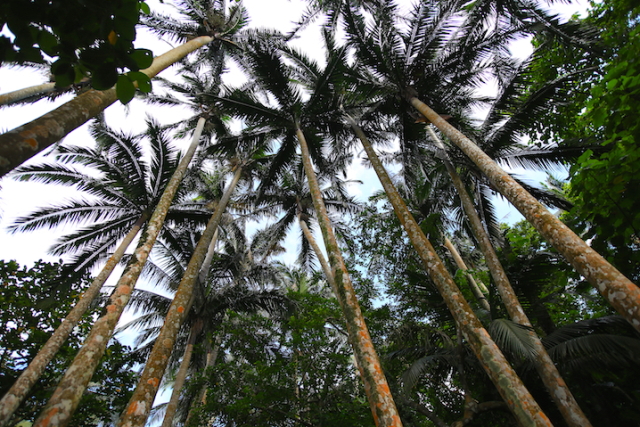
(241,288)
(399,67)
(622,293)
(290,197)
(402,58)
(125,189)
(66,397)
(142,399)
(295,121)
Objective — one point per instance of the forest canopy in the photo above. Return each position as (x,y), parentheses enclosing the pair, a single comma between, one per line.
(218,269)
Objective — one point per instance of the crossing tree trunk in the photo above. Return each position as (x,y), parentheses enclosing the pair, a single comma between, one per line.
(519,400)
(375,384)
(20,389)
(621,293)
(137,410)
(22,143)
(547,370)
(66,397)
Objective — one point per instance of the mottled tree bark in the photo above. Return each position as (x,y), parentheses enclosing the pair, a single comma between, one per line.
(382,405)
(547,370)
(623,295)
(511,388)
(24,142)
(66,397)
(20,389)
(181,378)
(137,410)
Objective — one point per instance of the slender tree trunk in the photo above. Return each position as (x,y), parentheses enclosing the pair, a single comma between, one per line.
(39,92)
(511,388)
(382,405)
(139,405)
(212,356)
(181,378)
(473,285)
(20,94)
(547,370)
(67,396)
(20,389)
(316,248)
(24,142)
(623,295)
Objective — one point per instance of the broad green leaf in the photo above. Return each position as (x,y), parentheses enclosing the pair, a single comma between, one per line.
(48,43)
(125,90)
(142,57)
(144,82)
(144,8)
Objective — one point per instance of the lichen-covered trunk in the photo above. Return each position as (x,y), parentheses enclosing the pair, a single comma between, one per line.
(181,378)
(24,142)
(520,402)
(547,370)
(621,293)
(20,389)
(66,397)
(137,410)
(382,405)
(473,285)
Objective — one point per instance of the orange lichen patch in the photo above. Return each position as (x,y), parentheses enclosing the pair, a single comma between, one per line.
(154,382)
(181,309)
(111,308)
(31,142)
(132,408)
(47,419)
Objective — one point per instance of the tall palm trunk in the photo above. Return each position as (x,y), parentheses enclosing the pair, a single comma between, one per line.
(623,295)
(326,268)
(473,285)
(510,386)
(547,370)
(181,376)
(212,356)
(67,396)
(382,405)
(24,142)
(141,401)
(180,380)
(20,389)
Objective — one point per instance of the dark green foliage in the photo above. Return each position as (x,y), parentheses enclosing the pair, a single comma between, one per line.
(33,301)
(601,110)
(283,371)
(84,38)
